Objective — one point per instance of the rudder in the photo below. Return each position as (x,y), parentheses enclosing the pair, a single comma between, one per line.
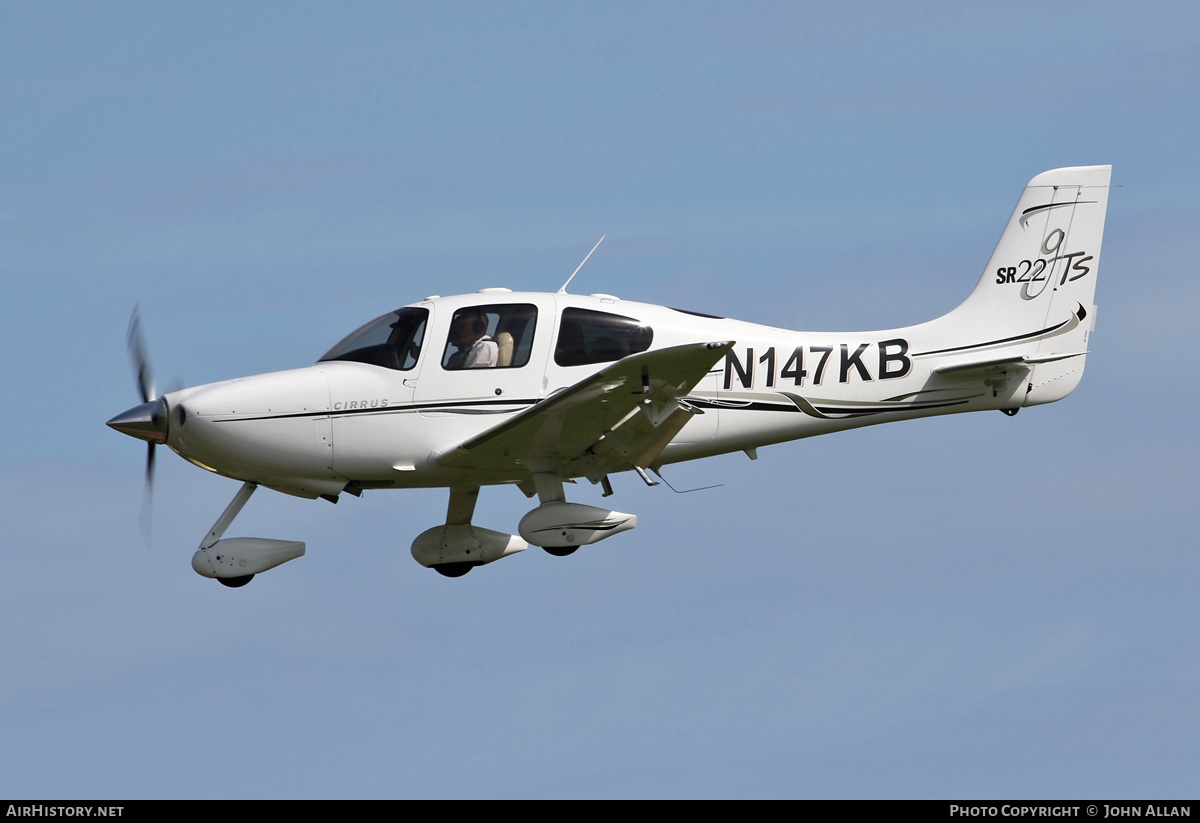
(1035,296)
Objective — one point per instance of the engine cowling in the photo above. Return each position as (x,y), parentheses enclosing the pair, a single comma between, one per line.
(564,525)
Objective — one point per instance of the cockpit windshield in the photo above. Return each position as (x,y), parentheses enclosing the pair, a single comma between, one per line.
(392,341)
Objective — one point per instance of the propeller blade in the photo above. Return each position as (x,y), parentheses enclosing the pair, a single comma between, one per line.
(141,363)
(147,421)
(148,493)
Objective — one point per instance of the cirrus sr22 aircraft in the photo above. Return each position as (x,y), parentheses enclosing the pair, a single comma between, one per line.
(537,389)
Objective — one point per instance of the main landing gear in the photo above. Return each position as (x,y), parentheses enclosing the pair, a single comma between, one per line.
(557,526)
(453,569)
(560,551)
(457,547)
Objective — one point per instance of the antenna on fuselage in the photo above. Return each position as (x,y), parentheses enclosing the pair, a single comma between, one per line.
(563,290)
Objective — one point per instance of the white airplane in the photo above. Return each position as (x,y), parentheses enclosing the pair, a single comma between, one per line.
(537,389)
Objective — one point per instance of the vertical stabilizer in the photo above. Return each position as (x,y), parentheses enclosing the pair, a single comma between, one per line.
(1035,296)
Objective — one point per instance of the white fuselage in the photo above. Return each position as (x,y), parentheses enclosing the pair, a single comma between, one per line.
(311,431)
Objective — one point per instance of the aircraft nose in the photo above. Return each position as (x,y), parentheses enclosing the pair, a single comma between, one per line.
(145,422)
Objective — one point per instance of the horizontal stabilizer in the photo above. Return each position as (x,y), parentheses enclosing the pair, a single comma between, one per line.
(1000,364)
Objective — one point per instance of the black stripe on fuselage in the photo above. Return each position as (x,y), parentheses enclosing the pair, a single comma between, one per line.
(739,405)
(461,407)
(882,409)
(472,407)
(755,405)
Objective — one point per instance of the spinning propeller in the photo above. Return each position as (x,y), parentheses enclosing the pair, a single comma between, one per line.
(149,420)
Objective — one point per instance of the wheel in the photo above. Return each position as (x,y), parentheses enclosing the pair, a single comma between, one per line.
(560,551)
(235,582)
(453,569)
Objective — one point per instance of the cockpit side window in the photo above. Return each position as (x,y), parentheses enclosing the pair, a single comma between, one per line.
(587,336)
(392,341)
(490,337)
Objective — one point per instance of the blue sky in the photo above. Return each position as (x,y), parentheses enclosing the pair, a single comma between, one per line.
(971,606)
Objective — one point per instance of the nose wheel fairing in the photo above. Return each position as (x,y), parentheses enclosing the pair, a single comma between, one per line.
(234,561)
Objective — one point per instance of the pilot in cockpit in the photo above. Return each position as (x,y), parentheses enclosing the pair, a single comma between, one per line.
(468,333)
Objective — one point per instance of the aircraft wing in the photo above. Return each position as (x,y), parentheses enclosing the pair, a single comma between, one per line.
(618,418)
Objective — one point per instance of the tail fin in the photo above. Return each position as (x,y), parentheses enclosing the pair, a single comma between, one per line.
(1034,301)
